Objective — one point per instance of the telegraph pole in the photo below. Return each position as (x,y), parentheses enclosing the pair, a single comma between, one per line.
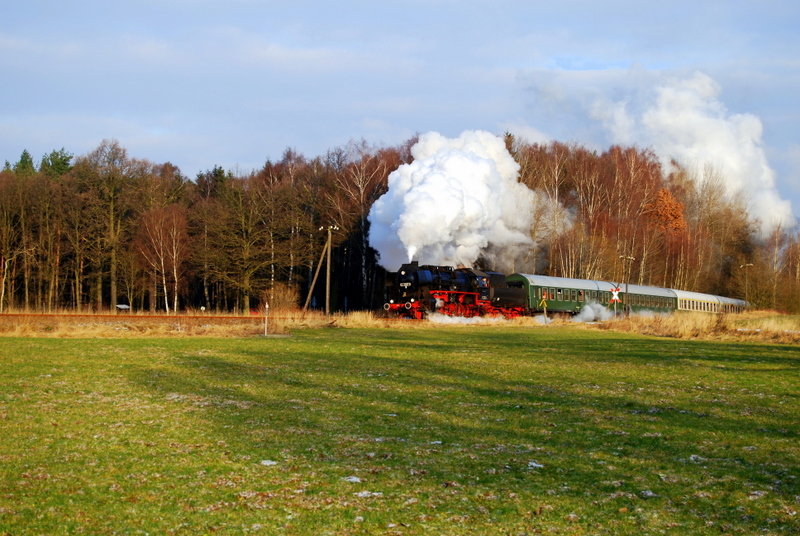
(627,296)
(745,266)
(328,271)
(325,250)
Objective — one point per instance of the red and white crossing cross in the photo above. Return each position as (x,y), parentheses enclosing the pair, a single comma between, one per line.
(615,295)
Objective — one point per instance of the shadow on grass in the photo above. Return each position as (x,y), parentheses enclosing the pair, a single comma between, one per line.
(629,433)
(650,407)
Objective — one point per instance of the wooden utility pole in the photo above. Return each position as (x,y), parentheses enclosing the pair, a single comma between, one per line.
(316,275)
(746,266)
(326,249)
(328,273)
(630,259)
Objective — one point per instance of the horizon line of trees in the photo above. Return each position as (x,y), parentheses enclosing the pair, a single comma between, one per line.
(105,229)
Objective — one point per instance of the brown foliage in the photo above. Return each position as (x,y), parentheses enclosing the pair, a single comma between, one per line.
(69,236)
(666,212)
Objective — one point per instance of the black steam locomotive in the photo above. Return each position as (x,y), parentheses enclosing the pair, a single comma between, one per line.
(415,291)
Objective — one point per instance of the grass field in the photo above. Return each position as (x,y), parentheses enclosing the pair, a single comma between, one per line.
(452,430)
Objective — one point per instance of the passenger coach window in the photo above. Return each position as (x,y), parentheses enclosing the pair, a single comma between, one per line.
(552,294)
(574,295)
(580,296)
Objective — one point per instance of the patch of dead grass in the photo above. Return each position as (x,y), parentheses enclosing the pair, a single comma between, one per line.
(756,326)
(127,326)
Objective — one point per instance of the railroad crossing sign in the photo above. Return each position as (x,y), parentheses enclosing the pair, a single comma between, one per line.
(615,295)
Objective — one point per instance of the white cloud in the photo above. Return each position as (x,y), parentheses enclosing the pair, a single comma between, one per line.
(680,116)
(256,76)
(687,121)
(524,131)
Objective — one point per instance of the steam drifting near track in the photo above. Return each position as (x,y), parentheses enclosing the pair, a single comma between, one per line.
(458,200)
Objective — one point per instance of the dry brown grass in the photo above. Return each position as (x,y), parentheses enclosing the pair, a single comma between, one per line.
(127,325)
(756,326)
(189,324)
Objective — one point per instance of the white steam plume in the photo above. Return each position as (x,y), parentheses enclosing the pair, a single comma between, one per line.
(458,198)
(686,121)
(439,318)
(592,312)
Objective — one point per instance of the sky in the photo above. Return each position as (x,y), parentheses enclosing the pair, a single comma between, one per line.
(201,83)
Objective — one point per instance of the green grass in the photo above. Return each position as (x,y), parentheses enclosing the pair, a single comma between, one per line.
(486,430)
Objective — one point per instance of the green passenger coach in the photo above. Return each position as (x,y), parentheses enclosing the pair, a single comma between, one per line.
(561,294)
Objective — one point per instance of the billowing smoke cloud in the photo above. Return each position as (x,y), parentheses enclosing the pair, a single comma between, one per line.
(685,121)
(679,116)
(456,200)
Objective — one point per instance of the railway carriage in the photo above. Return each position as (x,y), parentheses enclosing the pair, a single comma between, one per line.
(646,298)
(708,303)
(560,294)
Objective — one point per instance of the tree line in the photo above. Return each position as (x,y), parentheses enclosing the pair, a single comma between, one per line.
(92,232)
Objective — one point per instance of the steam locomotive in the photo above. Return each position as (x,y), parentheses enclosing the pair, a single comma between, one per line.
(415,291)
